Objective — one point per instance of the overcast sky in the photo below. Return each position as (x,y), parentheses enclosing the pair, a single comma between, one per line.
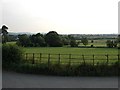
(63,16)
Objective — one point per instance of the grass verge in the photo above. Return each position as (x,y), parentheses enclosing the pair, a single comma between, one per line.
(65,70)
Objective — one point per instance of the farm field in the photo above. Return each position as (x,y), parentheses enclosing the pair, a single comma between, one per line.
(96,43)
(69,50)
(71,55)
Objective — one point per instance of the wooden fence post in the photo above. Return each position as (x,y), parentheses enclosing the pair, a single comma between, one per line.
(83,59)
(33,59)
(118,58)
(93,59)
(69,59)
(58,58)
(26,56)
(40,57)
(48,60)
(107,58)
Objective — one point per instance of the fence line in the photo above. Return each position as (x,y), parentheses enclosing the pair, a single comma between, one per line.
(70,59)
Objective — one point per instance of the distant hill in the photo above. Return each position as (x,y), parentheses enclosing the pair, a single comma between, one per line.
(95,36)
(17,33)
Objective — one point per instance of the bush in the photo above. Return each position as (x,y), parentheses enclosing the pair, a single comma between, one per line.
(67,70)
(91,45)
(11,54)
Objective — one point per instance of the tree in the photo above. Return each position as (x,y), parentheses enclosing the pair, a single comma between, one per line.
(71,37)
(84,40)
(23,40)
(115,42)
(109,43)
(92,41)
(118,40)
(53,39)
(38,40)
(12,38)
(73,43)
(4,33)
(65,40)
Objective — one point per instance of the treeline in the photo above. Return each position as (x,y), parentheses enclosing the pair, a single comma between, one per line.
(51,39)
(114,43)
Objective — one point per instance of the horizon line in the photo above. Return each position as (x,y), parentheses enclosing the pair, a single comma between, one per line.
(59,33)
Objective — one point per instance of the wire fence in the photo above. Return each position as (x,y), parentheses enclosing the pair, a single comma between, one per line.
(71,59)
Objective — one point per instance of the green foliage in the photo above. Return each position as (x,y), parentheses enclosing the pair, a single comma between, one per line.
(84,40)
(11,54)
(111,43)
(73,43)
(38,40)
(92,45)
(92,41)
(65,40)
(4,34)
(53,39)
(12,38)
(118,40)
(115,42)
(23,40)
(67,70)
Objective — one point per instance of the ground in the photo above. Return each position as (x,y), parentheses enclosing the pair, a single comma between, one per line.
(18,80)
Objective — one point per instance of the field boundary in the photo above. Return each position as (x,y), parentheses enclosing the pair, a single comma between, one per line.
(71,59)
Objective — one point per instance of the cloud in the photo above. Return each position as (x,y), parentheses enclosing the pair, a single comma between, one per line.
(64,16)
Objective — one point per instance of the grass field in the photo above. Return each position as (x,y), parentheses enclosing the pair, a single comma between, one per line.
(96,43)
(73,54)
(68,50)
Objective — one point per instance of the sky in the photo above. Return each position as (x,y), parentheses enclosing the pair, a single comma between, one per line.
(63,16)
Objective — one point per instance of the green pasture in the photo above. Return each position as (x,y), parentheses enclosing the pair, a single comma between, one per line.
(70,50)
(96,43)
(66,55)
(72,55)
(99,43)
